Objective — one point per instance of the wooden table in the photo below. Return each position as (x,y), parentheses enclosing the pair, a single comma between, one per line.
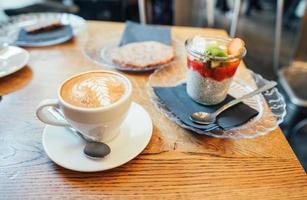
(175,165)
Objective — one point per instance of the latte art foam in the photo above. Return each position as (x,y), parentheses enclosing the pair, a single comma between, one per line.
(92,90)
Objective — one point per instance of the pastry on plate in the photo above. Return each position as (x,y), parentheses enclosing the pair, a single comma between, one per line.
(143,54)
(43,26)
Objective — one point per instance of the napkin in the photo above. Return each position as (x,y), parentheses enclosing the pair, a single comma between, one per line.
(34,38)
(180,104)
(135,32)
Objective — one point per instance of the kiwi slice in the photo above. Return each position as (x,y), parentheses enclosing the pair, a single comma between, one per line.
(216,51)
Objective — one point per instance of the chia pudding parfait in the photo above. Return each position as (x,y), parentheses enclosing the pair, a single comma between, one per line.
(212,63)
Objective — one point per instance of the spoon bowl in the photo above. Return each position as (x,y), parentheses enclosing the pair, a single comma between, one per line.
(93,149)
(203,118)
(96,150)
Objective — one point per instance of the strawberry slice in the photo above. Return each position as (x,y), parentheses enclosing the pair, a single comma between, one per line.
(232,68)
(235,46)
(220,73)
(200,67)
(195,65)
(206,71)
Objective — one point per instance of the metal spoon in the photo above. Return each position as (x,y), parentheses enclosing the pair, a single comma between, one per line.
(93,149)
(209,118)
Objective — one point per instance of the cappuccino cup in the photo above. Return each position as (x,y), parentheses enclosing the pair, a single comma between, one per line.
(94,103)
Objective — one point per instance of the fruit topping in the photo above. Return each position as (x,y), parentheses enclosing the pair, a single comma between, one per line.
(235,46)
(215,63)
(216,51)
(224,71)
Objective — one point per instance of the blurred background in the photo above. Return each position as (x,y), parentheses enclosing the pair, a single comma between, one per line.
(274,31)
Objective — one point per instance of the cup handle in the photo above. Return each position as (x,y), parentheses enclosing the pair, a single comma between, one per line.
(47,118)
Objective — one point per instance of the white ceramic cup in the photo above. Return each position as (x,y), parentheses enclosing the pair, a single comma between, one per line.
(102,123)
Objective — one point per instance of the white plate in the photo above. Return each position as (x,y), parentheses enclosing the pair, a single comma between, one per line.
(66,149)
(9,30)
(12,59)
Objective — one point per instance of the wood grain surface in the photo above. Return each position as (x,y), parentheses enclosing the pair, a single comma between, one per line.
(176,164)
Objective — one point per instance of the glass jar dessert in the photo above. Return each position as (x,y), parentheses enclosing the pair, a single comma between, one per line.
(212,62)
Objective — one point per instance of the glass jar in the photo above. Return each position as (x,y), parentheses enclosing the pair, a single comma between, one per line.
(209,77)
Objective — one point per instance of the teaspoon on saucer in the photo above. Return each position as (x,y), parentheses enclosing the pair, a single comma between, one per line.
(209,118)
(93,149)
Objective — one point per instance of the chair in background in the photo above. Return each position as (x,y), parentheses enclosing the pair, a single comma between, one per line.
(277,38)
(293,82)
(43,6)
(142,11)
(210,8)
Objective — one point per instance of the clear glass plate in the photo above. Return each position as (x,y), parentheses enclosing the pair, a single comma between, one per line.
(270,105)
(99,46)
(9,30)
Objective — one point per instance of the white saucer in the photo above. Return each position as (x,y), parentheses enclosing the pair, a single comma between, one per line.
(12,59)
(66,149)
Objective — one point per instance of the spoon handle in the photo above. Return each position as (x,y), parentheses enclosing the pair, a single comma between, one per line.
(58,114)
(266,87)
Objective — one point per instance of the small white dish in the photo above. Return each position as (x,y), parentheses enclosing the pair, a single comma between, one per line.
(9,30)
(66,149)
(12,59)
